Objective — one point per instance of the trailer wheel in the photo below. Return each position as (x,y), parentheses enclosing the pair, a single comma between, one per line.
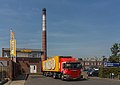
(43,73)
(46,74)
(54,75)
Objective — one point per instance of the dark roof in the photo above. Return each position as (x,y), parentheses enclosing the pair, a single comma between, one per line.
(19,49)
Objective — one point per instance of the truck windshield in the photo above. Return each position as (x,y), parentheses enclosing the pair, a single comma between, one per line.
(72,65)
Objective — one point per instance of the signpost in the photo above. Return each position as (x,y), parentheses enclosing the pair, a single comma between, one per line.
(12,46)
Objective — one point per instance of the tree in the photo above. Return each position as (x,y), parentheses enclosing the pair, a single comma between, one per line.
(80,59)
(104,59)
(115,49)
(114,59)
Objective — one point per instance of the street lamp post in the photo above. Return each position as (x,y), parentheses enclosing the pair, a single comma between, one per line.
(103,60)
(96,60)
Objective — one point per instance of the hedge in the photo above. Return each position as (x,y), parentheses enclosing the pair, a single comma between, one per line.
(105,72)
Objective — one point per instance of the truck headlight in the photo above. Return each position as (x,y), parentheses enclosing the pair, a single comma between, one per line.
(66,75)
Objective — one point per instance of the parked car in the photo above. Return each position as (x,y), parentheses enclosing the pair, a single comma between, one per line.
(93,73)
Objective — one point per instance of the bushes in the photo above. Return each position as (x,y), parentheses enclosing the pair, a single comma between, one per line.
(105,72)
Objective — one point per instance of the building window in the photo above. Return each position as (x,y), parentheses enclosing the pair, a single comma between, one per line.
(33,61)
(85,63)
(91,63)
(88,63)
(100,63)
(34,67)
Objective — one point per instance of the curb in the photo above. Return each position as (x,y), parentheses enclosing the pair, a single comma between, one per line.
(10,81)
(103,78)
(3,82)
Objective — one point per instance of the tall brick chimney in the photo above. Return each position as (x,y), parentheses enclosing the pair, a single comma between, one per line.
(44,35)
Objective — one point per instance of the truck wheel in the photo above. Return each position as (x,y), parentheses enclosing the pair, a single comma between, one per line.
(54,76)
(62,77)
(46,74)
(43,74)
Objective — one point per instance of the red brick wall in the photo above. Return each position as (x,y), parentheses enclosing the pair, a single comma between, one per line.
(21,66)
(26,62)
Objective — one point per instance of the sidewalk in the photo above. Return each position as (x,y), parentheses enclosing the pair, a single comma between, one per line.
(103,78)
(20,80)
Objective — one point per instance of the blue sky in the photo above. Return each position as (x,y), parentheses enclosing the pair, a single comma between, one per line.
(81,28)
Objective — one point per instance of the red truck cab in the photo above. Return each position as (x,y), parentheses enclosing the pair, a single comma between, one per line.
(70,68)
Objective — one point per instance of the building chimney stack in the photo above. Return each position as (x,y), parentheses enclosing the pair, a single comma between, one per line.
(44,36)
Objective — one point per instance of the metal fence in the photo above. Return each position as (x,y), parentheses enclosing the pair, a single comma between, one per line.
(3,72)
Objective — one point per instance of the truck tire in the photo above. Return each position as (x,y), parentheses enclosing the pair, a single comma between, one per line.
(54,75)
(46,74)
(43,74)
(62,77)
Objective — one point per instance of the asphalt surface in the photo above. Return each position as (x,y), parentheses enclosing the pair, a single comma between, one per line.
(41,80)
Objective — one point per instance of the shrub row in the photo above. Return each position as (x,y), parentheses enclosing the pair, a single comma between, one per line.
(105,72)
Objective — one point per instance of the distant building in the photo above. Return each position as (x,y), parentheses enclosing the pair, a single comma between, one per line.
(91,62)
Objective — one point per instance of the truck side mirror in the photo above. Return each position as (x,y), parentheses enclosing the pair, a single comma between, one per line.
(81,66)
(63,65)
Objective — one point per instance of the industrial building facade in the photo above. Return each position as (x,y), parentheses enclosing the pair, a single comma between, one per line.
(29,60)
(23,52)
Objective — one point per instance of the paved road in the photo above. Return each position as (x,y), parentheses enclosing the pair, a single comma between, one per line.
(41,80)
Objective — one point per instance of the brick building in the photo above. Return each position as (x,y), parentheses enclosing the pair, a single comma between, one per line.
(29,60)
(91,62)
